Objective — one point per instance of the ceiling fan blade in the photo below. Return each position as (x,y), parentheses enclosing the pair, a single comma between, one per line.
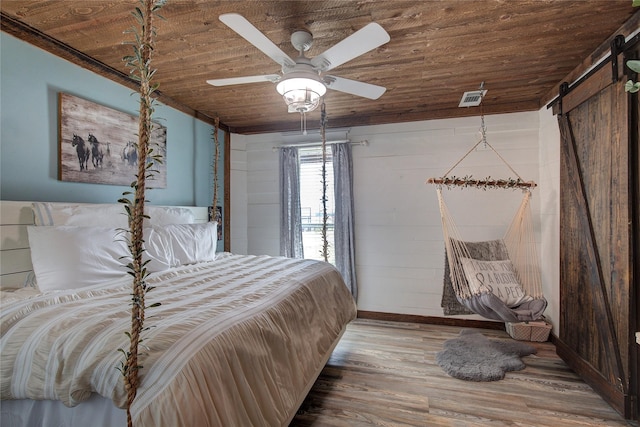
(362,41)
(244,28)
(242,80)
(354,87)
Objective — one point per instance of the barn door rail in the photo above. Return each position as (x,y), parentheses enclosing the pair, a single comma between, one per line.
(618,46)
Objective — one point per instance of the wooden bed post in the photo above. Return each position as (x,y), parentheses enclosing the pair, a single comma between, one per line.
(140,65)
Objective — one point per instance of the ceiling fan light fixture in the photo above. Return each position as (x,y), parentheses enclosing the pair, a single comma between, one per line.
(301,94)
(300,82)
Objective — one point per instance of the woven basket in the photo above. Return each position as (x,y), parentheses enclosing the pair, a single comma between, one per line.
(529,331)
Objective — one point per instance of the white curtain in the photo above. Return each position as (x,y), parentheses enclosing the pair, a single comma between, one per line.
(290,218)
(344,237)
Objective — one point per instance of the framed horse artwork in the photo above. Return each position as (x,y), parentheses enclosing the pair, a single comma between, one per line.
(98,145)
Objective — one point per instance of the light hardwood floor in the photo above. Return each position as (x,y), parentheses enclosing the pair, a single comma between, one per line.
(385,374)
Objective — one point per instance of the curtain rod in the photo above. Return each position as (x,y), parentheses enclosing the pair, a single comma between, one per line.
(319,143)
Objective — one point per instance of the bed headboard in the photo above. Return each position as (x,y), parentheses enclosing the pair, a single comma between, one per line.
(15,256)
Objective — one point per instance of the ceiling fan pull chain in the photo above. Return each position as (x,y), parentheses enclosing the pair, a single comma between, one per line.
(303,122)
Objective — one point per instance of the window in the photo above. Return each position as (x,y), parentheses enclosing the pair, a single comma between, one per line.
(301,207)
(311,202)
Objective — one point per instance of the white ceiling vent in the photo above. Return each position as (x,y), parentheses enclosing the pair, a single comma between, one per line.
(472,99)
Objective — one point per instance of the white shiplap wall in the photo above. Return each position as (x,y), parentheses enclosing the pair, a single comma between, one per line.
(399,250)
(238,182)
(550,213)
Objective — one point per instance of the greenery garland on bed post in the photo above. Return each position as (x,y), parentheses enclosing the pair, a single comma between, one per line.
(141,71)
(325,216)
(216,157)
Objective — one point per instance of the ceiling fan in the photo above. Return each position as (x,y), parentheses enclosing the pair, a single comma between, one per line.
(302,81)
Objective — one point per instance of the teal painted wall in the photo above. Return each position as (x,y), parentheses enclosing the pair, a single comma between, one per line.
(30,80)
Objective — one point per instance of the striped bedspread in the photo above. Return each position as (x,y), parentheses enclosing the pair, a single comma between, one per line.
(236,341)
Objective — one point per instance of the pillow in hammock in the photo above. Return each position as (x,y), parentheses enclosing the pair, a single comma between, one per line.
(498,277)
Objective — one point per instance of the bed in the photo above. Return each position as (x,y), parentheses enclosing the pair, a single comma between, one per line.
(238,340)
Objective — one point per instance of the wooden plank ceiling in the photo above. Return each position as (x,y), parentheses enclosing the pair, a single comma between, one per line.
(520,49)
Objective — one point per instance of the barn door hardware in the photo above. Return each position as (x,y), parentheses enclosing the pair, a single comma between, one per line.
(564,89)
(617,47)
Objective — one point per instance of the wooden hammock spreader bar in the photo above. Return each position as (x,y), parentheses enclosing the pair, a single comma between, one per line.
(493,183)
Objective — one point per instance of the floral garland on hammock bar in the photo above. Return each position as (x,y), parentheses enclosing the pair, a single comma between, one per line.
(141,71)
(486,183)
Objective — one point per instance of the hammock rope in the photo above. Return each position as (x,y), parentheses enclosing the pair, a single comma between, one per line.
(521,246)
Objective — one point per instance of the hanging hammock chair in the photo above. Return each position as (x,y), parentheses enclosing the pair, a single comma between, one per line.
(508,286)
(502,283)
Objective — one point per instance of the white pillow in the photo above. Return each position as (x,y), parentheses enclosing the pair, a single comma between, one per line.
(104,215)
(497,276)
(69,257)
(160,215)
(157,250)
(183,243)
(82,215)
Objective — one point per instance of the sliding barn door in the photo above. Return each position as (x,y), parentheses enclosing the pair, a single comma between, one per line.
(598,220)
